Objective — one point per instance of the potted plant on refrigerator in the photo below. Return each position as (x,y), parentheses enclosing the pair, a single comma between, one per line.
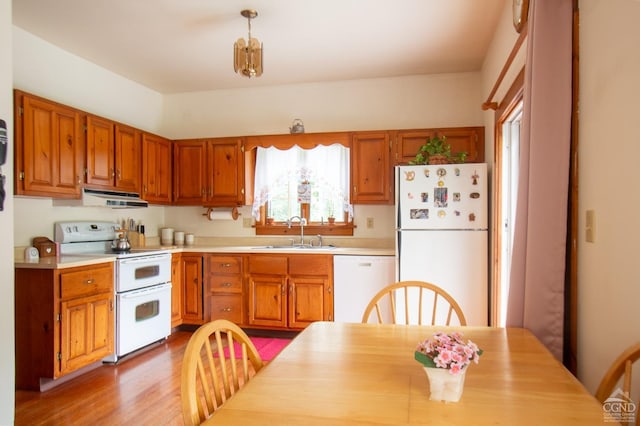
(437,151)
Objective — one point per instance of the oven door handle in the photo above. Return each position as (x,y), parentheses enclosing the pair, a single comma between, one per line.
(146,258)
(145,291)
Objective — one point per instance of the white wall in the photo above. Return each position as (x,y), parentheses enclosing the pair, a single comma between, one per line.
(7,354)
(48,71)
(608,273)
(393,103)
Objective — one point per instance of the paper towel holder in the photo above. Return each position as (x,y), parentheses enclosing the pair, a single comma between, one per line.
(233,212)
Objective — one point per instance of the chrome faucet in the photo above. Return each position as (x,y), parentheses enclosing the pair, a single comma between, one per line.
(303,222)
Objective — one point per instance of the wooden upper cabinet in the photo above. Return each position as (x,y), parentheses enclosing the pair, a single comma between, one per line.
(408,143)
(189,172)
(101,169)
(371,169)
(209,172)
(466,139)
(156,169)
(113,155)
(49,148)
(128,150)
(461,139)
(226,172)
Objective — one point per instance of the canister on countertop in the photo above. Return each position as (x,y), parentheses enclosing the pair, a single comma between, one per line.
(189,239)
(166,236)
(178,238)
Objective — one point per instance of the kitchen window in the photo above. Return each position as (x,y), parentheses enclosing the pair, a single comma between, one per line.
(310,183)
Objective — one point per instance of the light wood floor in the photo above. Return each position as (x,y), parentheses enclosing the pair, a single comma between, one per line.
(141,390)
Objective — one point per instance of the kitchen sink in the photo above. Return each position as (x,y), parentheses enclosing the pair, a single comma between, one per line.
(294,247)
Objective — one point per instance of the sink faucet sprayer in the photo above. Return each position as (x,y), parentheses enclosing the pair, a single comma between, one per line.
(303,222)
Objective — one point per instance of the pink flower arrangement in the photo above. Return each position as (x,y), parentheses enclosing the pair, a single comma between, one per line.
(447,351)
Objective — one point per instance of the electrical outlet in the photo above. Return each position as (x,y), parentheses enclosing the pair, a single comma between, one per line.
(590,226)
(369,223)
(246,222)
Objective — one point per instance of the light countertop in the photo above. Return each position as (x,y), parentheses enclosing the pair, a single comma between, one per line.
(71,261)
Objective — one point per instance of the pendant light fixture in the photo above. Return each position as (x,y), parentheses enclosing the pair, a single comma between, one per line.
(247,55)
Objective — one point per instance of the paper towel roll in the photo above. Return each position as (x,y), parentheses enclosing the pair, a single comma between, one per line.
(222,213)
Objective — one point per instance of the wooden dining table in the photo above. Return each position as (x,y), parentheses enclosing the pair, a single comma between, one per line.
(365,374)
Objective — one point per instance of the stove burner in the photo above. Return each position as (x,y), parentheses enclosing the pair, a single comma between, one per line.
(117,250)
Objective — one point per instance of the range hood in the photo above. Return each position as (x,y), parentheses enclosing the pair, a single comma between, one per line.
(103,198)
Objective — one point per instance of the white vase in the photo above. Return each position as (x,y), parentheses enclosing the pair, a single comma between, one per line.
(445,386)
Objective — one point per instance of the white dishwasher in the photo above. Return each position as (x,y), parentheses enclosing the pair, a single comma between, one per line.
(356,279)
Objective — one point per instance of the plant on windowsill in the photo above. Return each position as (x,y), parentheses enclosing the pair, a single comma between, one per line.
(437,151)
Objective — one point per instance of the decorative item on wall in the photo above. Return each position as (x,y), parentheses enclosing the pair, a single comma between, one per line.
(247,55)
(297,126)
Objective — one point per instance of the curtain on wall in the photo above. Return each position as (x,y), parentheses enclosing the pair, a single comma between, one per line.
(536,296)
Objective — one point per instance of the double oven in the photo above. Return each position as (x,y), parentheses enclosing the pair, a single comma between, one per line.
(142,283)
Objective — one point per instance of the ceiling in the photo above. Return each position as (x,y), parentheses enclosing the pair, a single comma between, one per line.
(174,46)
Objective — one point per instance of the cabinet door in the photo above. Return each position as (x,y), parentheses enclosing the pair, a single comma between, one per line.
(127,158)
(101,170)
(408,143)
(189,172)
(87,331)
(176,290)
(49,150)
(267,300)
(192,309)
(371,177)
(225,177)
(310,300)
(466,139)
(461,139)
(156,169)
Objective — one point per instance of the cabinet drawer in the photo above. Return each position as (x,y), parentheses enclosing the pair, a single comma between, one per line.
(227,306)
(224,265)
(310,264)
(86,282)
(276,265)
(225,284)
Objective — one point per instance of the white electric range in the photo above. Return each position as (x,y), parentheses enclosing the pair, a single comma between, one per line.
(142,283)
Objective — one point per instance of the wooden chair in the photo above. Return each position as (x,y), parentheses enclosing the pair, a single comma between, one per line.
(407,299)
(620,369)
(210,373)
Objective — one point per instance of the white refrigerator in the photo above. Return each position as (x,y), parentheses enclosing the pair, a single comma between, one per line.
(441,217)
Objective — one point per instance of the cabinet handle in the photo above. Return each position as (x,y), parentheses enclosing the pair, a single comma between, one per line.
(225,265)
(225,310)
(195,281)
(79,181)
(113,173)
(119,175)
(202,192)
(144,188)
(225,284)
(90,281)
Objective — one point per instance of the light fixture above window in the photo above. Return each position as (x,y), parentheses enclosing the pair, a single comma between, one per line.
(247,55)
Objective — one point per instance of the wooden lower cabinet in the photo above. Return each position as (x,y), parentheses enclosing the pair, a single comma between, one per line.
(176,290)
(289,291)
(64,320)
(192,286)
(223,284)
